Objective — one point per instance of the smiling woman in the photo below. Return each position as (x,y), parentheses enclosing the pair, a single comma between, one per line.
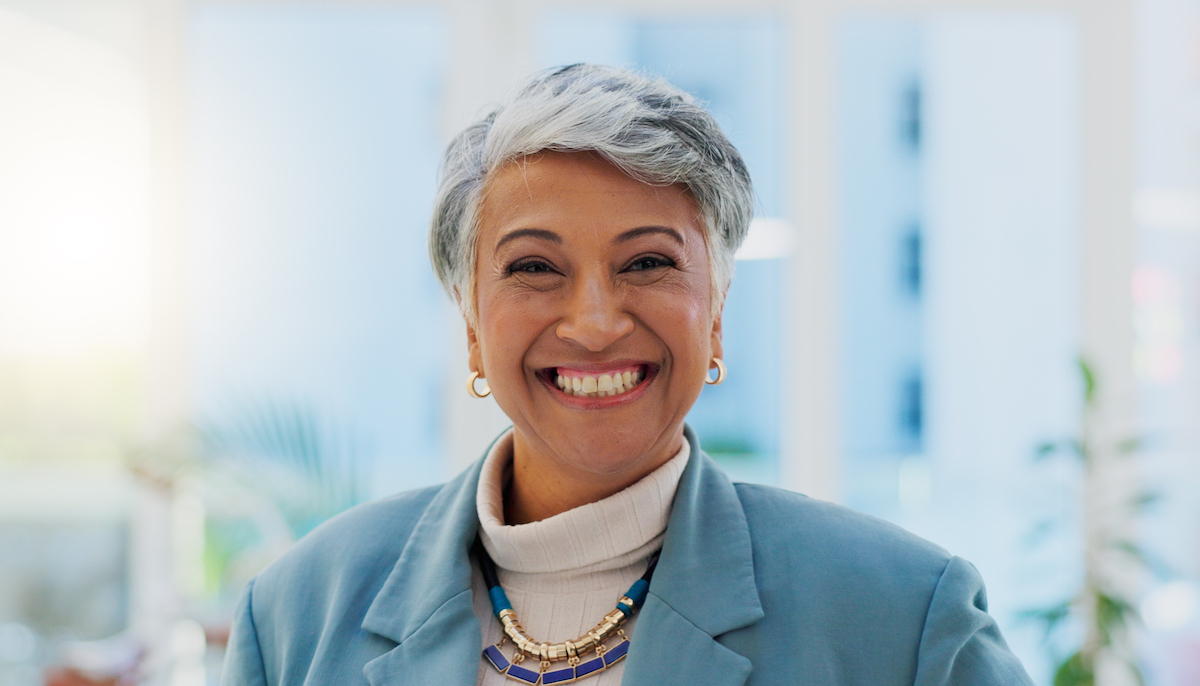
(584,274)
(587,229)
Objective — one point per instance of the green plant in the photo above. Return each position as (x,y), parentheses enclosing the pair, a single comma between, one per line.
(271,433)
(272,470)
(263,473)
(1101,606)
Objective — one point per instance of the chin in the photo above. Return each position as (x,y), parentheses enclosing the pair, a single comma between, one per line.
(606,448)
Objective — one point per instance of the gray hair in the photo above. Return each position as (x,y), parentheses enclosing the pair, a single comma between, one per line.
(648,128)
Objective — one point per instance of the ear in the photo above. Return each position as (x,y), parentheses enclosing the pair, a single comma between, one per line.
(715,341)
(474,358)
(474,355)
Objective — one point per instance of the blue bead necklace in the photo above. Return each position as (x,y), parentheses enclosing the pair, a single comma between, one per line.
(572,652)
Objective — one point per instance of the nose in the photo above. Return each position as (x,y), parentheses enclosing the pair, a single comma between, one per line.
(595,316)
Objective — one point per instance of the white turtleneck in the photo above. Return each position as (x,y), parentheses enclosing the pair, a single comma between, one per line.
(564,573)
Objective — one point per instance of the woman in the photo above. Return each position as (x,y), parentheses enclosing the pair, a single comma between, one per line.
(586,229)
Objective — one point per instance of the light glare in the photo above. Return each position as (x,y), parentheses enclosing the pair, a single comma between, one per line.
(1171,607)
(73,195)
(768,239)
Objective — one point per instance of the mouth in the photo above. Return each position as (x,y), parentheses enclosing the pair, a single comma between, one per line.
(599,383)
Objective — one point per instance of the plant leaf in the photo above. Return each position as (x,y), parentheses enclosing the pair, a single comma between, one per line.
(1131,445)
(1049,617)
(1089,382)
(1145,499)
(1046,449)
(1137,552)
(1112,612)
(1136,672)
(1130,548)
(1075,671)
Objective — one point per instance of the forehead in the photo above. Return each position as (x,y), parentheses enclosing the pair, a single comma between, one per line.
(580,192)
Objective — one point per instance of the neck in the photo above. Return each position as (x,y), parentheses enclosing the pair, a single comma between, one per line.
(545,484)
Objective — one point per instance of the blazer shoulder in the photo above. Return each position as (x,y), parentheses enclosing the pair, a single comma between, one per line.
(801,532)
(317,593)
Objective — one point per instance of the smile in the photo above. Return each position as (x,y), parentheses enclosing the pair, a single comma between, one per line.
(591,384)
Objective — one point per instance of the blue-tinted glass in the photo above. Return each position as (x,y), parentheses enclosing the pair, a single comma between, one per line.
(733,65)
(958,207)
(314,136)
(880,231)
(1166,288)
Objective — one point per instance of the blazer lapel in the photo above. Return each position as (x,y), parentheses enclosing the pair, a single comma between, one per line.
(426,605)
(703,587)
(667,648)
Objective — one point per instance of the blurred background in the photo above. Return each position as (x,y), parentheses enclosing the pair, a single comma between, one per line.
(970,303)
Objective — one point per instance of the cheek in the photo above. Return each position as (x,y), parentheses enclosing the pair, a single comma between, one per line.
(683,321)
(695,317)
(508,328)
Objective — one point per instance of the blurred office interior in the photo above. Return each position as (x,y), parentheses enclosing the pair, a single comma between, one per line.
(219,327)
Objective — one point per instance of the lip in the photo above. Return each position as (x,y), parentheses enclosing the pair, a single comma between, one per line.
(650,370)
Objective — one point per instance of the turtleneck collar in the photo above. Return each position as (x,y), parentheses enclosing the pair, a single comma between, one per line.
(608,534)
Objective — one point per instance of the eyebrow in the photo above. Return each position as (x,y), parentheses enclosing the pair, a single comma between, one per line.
(643,230)
(532,233)
(547,235)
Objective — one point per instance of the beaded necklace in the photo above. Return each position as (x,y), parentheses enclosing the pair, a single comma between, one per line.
(573,652)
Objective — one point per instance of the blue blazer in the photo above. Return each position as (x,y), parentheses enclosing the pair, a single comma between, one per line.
(755,586)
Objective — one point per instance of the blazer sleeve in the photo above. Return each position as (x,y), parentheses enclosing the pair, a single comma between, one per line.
(961,644)
(243,657)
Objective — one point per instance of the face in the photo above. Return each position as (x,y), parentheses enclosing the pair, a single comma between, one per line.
(591,281)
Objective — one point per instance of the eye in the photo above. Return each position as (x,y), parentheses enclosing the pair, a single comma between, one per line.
(529,267)
(649,262)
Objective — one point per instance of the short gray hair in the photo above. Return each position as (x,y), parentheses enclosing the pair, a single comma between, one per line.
(648,128)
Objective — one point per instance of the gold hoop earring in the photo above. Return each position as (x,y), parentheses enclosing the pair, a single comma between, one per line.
(487,390)
(720,373)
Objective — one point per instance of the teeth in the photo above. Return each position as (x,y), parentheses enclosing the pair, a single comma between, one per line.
(604,386)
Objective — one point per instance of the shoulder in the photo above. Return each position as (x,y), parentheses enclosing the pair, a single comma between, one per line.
(830,577)
(836,547)
(305,611)
(813,522)
(835,582)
